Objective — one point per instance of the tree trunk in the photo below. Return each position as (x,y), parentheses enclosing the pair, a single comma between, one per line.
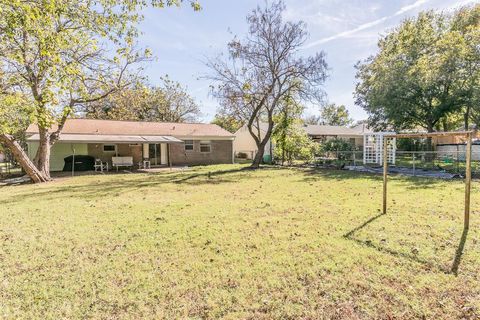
(445,125)
(259,156)
(42,158)
(429,156)
(261,145)
(36,175)
(466,118)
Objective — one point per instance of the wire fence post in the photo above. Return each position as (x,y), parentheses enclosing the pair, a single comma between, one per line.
(458,169)
(385,173)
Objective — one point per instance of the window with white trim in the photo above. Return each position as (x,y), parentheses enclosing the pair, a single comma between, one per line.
(109,148)
(188,145)
(205,146)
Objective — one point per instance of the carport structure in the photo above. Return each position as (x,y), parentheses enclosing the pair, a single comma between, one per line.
(468,135)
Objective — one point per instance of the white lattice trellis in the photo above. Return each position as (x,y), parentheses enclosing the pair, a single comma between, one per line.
(373,148)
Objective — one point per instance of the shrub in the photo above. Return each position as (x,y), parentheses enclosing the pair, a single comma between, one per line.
(242,155)
(340,146)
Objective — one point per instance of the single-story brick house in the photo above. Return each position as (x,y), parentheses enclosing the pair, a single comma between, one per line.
(177,144)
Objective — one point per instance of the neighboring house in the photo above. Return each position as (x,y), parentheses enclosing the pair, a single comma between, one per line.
(160,143)
(322,133)
(244,145)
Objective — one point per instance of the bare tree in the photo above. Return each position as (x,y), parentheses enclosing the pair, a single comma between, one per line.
(263,69)
(169,102)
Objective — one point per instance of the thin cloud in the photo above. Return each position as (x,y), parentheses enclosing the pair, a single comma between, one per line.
(409,7)
(367,25)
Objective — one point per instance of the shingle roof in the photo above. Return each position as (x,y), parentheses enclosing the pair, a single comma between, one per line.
(324,130)
(113,127)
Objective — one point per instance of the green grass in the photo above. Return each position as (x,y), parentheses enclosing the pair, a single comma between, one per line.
(265,244)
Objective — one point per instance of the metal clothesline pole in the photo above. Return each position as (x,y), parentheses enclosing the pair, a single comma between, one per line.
(468,180)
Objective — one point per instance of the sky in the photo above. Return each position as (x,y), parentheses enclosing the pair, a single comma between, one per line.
(181,40)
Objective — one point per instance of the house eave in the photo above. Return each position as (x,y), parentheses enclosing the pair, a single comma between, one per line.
(88,138)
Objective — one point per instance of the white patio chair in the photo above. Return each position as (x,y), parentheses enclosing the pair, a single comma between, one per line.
(100,166)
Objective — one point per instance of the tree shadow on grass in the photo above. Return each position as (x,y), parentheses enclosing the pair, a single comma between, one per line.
(349,234)
(459,252)
(337,174)
(453,270)
(118,185)
(211,174)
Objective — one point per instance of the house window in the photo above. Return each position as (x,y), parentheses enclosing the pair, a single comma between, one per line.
(109,148)
(205,146)
(188,145)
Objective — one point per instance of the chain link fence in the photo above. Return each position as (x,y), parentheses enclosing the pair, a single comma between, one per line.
(414,162)
(8,166)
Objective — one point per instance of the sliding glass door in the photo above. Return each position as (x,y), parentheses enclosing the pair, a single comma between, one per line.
(154,153)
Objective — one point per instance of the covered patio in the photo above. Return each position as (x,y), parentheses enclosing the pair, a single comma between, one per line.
(114,151)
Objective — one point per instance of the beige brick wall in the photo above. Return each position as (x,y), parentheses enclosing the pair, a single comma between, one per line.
(221,152)
(124,150)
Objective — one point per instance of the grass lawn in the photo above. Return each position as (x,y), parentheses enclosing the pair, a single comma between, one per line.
(265,244)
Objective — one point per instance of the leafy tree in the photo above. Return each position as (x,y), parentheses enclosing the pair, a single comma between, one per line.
(466,26)
(421,75)
(451,122)
(169,102)
(291,140)
(334,115)
(263,69)
(295,145)
(56,53)
(227,122)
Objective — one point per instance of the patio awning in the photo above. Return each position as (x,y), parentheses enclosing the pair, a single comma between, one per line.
(96,138)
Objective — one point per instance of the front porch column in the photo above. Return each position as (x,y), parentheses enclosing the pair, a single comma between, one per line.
(163,153)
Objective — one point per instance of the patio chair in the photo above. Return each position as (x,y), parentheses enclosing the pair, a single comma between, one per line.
(100,165)
(145,164)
